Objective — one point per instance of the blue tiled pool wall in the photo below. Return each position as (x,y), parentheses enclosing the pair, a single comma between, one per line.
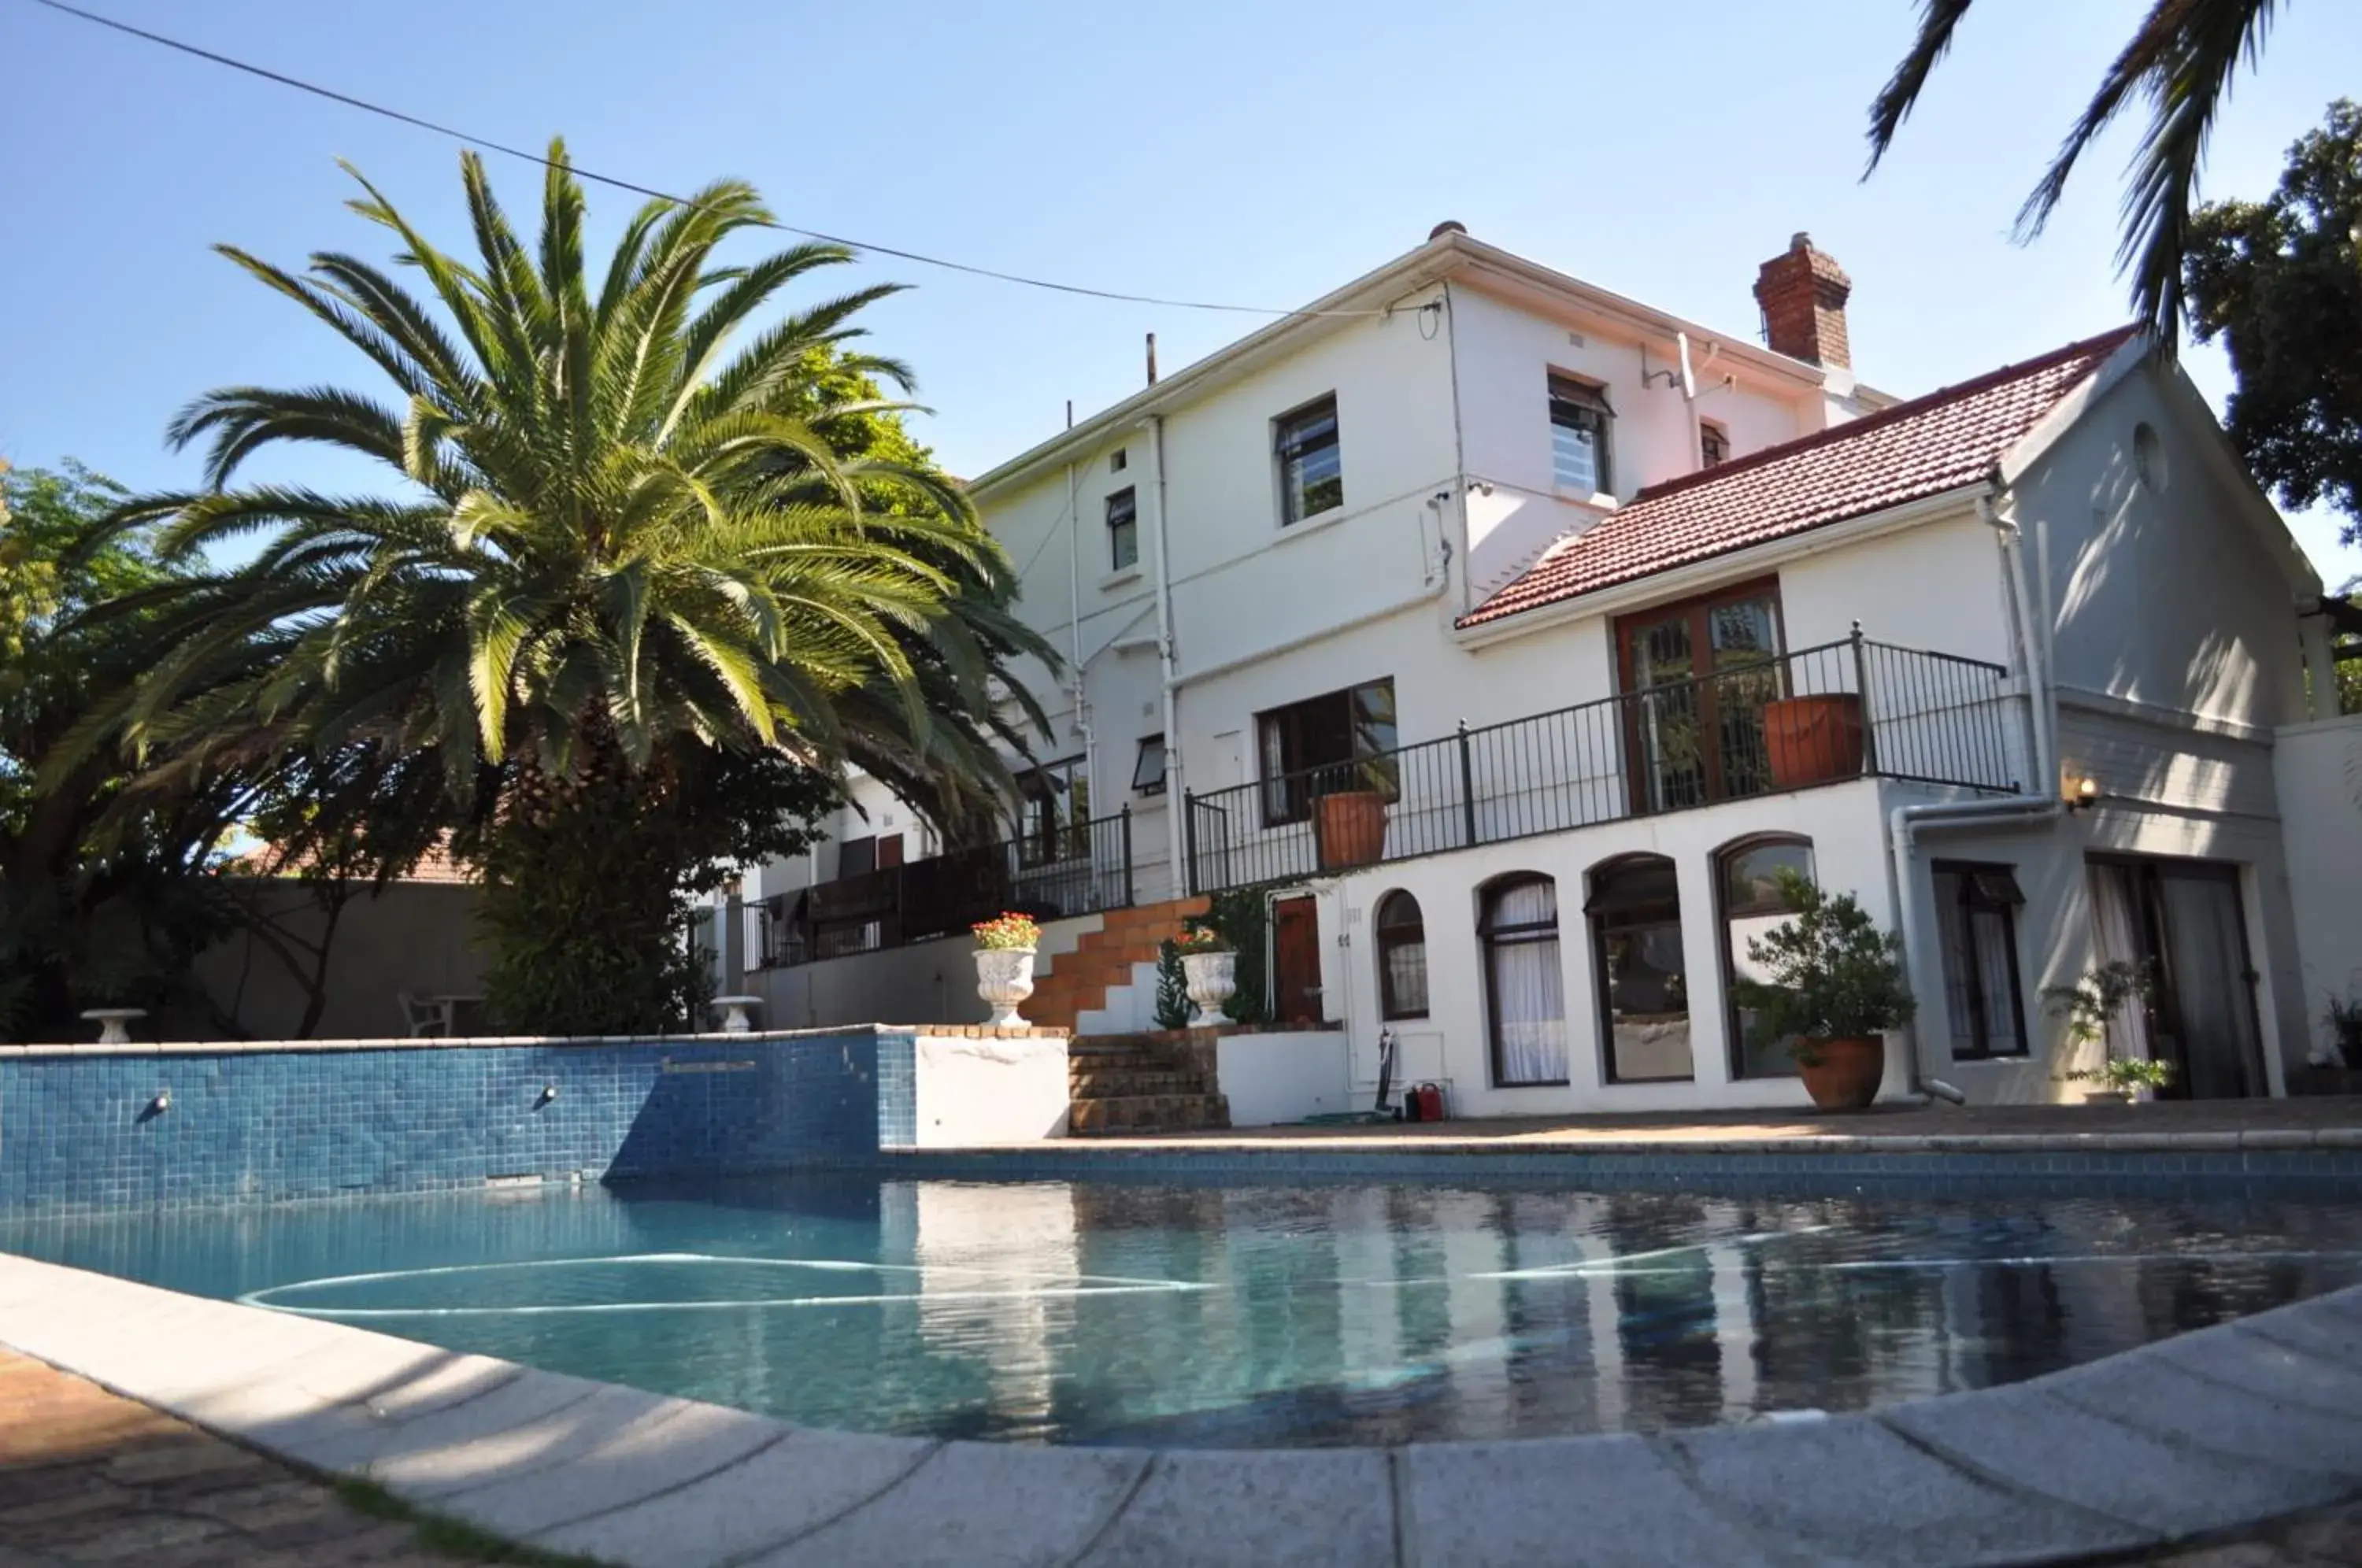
(84,1131)
(2015,1172)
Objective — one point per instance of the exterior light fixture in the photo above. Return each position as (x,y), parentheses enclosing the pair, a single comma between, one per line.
(2085,794)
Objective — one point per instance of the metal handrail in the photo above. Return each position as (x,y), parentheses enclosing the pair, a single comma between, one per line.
(1899,712)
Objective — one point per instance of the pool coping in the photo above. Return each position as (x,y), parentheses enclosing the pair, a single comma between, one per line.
(2205,1431)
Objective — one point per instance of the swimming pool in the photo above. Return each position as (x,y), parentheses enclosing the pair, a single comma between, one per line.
(1226,1314)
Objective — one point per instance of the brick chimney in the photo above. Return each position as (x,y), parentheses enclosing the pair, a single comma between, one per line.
(1803,293)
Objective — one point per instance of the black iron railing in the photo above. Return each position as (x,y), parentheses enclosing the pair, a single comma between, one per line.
(1065,868)
(1844,710)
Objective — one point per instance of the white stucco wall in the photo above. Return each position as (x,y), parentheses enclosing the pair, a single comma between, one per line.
(1451,1044)
(1275,1078)
(2319,772)
(975,1090)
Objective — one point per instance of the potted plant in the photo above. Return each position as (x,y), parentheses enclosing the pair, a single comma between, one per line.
(1350,817)
(2087,1006)
(1210,964)
(1813,740)
(1834,983)
(1004,965)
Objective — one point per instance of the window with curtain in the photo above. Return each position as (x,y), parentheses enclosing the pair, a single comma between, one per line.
(1580,420)
(1752,905)
(1976,914)
(1402,958)
(1525,992)
(1644,1003)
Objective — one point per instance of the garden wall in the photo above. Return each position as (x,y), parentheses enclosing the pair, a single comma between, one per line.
(92,1128)
(407,936)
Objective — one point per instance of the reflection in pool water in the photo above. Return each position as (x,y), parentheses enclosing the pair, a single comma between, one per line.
(1239,1316)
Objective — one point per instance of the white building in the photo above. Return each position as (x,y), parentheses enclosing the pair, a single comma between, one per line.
(1474,614)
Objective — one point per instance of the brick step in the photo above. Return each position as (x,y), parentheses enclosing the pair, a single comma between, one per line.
(1147,1113)
(1128,1082)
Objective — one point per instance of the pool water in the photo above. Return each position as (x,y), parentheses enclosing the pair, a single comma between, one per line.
(1244,1316)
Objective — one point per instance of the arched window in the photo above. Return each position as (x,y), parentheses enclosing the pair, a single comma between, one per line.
(1525,992)
(1644,998)
(1747,881)
(1402,958)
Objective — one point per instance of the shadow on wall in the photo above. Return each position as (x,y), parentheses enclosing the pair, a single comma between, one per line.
(417,938)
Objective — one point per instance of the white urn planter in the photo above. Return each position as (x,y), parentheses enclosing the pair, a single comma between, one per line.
(1004,978)
(1212,979)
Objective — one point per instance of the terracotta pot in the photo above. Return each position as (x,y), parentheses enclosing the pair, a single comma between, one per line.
(1352,826)
(1813,740)
(1846,1075)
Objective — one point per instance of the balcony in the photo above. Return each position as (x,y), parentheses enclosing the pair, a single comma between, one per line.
(1068,868)
(1821,716)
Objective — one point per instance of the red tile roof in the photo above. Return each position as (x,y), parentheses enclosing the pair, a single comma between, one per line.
(1930,444)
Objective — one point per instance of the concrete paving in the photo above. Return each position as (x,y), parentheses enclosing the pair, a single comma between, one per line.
(2219,1449)
(2217,1126)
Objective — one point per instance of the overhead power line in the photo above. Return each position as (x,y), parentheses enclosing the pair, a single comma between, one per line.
(487,143)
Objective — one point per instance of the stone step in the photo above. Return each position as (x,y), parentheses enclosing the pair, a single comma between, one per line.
(1127,1082)
(1149,1114)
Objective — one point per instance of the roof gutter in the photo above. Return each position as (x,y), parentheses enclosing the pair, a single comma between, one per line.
(1679,581)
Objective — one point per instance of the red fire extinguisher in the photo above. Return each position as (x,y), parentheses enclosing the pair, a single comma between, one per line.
(1426,1102)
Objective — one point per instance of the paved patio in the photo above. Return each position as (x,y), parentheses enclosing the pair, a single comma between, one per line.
(88,1478)
(2316,1121)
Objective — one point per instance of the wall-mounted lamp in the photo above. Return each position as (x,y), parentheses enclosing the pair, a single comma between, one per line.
(2084,794)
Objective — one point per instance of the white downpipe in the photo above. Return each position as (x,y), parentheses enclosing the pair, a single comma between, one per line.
(1083,726)
(2045,805)
(1176,800)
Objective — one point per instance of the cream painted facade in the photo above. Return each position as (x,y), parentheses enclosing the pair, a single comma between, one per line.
(2163,602)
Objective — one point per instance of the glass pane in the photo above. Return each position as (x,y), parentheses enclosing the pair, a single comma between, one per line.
(1529,1007)
(1673,766)
(1648,1001)
(1405,960)
(1123,544)
(1747,675)
(1575,457)
(1951,924)
(1525,904)
(1994,941)
(2206,951)
(1750,879)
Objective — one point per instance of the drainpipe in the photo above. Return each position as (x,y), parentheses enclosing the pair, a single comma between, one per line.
(2045,805)
(1075,625)
(1177,799)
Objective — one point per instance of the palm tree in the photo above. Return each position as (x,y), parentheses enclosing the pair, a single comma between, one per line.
(639,591)
(2180,60)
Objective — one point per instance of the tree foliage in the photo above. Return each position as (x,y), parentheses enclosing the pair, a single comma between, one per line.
(2179,64)
(629,580)
(2280,281)
(1829,972)
(99,898)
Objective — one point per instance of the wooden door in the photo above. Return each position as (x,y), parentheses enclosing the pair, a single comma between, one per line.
(1296,959)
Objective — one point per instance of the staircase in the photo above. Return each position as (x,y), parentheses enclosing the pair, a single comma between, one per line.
(1108,983)
(1140,1083)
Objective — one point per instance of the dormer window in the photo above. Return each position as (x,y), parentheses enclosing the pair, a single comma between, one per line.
(1580,419)
(1714,444)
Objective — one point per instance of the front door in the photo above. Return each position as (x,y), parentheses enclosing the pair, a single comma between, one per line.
(2183,921)
(1296,959)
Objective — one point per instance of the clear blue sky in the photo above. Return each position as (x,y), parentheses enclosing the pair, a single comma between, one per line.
(1217,150)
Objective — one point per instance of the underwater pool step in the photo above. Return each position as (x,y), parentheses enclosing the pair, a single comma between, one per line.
(1149,1114)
